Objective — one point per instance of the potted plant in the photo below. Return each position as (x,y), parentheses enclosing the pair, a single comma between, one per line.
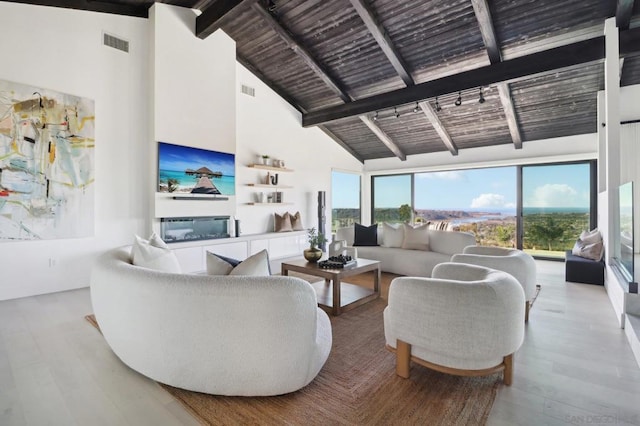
(266,160)
(313,253)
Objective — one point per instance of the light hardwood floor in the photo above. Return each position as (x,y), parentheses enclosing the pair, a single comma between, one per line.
(575,366)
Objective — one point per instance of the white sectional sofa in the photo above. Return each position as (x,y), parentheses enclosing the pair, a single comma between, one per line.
(417,263)
(217,334)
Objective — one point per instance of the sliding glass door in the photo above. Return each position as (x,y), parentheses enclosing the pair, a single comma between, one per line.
(558,203)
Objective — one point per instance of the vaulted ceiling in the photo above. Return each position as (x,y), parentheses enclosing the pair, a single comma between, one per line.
(388,78)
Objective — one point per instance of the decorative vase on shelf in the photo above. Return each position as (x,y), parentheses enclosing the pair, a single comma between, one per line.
(312,254)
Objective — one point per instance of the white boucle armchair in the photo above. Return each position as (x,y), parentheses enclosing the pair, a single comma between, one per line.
(465,320)
(516,262)
(224,335)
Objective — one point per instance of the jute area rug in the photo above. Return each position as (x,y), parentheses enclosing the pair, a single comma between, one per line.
(357,386)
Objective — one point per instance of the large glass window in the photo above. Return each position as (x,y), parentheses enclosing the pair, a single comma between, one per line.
(392,198)
(482,201)
(345,199)
(556,207)
(540,208)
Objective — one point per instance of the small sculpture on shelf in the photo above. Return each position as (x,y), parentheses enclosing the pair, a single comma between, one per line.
(313,253)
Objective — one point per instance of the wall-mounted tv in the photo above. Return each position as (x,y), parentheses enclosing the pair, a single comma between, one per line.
(625,261)
(187,170)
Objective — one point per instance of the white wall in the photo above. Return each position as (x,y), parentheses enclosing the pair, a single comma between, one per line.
(266,124)
(194,99)
(629,105)
(61,49)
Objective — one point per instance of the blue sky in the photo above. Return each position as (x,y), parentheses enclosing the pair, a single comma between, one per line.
(178,158)
(489,189)
(346,190)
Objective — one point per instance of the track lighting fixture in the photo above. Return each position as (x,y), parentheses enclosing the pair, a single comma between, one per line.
(397,114)
(375,117)
(416,109)
(481,100)
(438,107)
(458,101)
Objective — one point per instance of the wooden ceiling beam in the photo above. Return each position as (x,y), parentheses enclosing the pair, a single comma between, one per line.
(383,137)
(624,9)
(302,52)
(433,118)
(483,15)
(514,69)
(384,41)
(510,113)
(139,10)
(324,75)
(214,16)
(255,71)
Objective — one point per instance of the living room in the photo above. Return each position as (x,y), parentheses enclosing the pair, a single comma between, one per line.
(176,88)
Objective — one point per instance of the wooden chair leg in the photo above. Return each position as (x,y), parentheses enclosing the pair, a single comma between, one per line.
(508,369)
(403,358)
(527,308)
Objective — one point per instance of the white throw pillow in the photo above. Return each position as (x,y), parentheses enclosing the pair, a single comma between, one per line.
(217,265)
(392,236)
(416,238)
(154,254)
(591,237)
(593,251)
(256,265)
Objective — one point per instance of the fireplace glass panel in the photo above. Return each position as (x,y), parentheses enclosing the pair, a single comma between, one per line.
(179,229)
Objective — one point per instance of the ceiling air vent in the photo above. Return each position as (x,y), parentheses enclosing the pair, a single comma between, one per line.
(115,42)
(248,90)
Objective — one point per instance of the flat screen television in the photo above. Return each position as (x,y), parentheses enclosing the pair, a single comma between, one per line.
(625,261)
(187,170)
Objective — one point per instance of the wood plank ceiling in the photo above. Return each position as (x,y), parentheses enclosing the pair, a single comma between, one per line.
(393,70)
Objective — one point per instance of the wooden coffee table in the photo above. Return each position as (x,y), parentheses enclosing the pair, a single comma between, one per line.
(335,296)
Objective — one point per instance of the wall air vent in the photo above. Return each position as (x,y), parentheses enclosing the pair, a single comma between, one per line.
(248,90)
(115,42)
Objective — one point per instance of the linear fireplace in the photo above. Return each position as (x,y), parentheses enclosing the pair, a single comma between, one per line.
(180,229)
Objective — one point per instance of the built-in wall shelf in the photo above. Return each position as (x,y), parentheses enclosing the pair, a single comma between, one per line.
(269,204)
(264,185)
(275,169)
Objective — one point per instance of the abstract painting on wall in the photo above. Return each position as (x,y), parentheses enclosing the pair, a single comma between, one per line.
(46,164)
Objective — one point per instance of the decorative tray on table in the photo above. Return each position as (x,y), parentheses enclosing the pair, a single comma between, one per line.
(337,262)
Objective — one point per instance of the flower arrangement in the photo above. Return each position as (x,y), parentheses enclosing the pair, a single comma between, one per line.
(315,239)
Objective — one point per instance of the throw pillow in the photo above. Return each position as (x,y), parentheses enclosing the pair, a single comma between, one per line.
(256,265)
(296,222)
(154,254)
(365,235)
(593,251)
(392,235)
(283,222)
(416,238)
(220,265)
(591,237)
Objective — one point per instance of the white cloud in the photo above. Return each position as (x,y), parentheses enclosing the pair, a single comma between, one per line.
(554,195)
(490,201)
(452,175)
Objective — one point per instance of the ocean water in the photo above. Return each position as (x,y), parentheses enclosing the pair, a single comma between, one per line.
(225,184)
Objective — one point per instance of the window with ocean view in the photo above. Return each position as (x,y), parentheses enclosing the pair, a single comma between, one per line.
(392,198)
(482,201)
(345,199)
(541,209)
(556,207)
